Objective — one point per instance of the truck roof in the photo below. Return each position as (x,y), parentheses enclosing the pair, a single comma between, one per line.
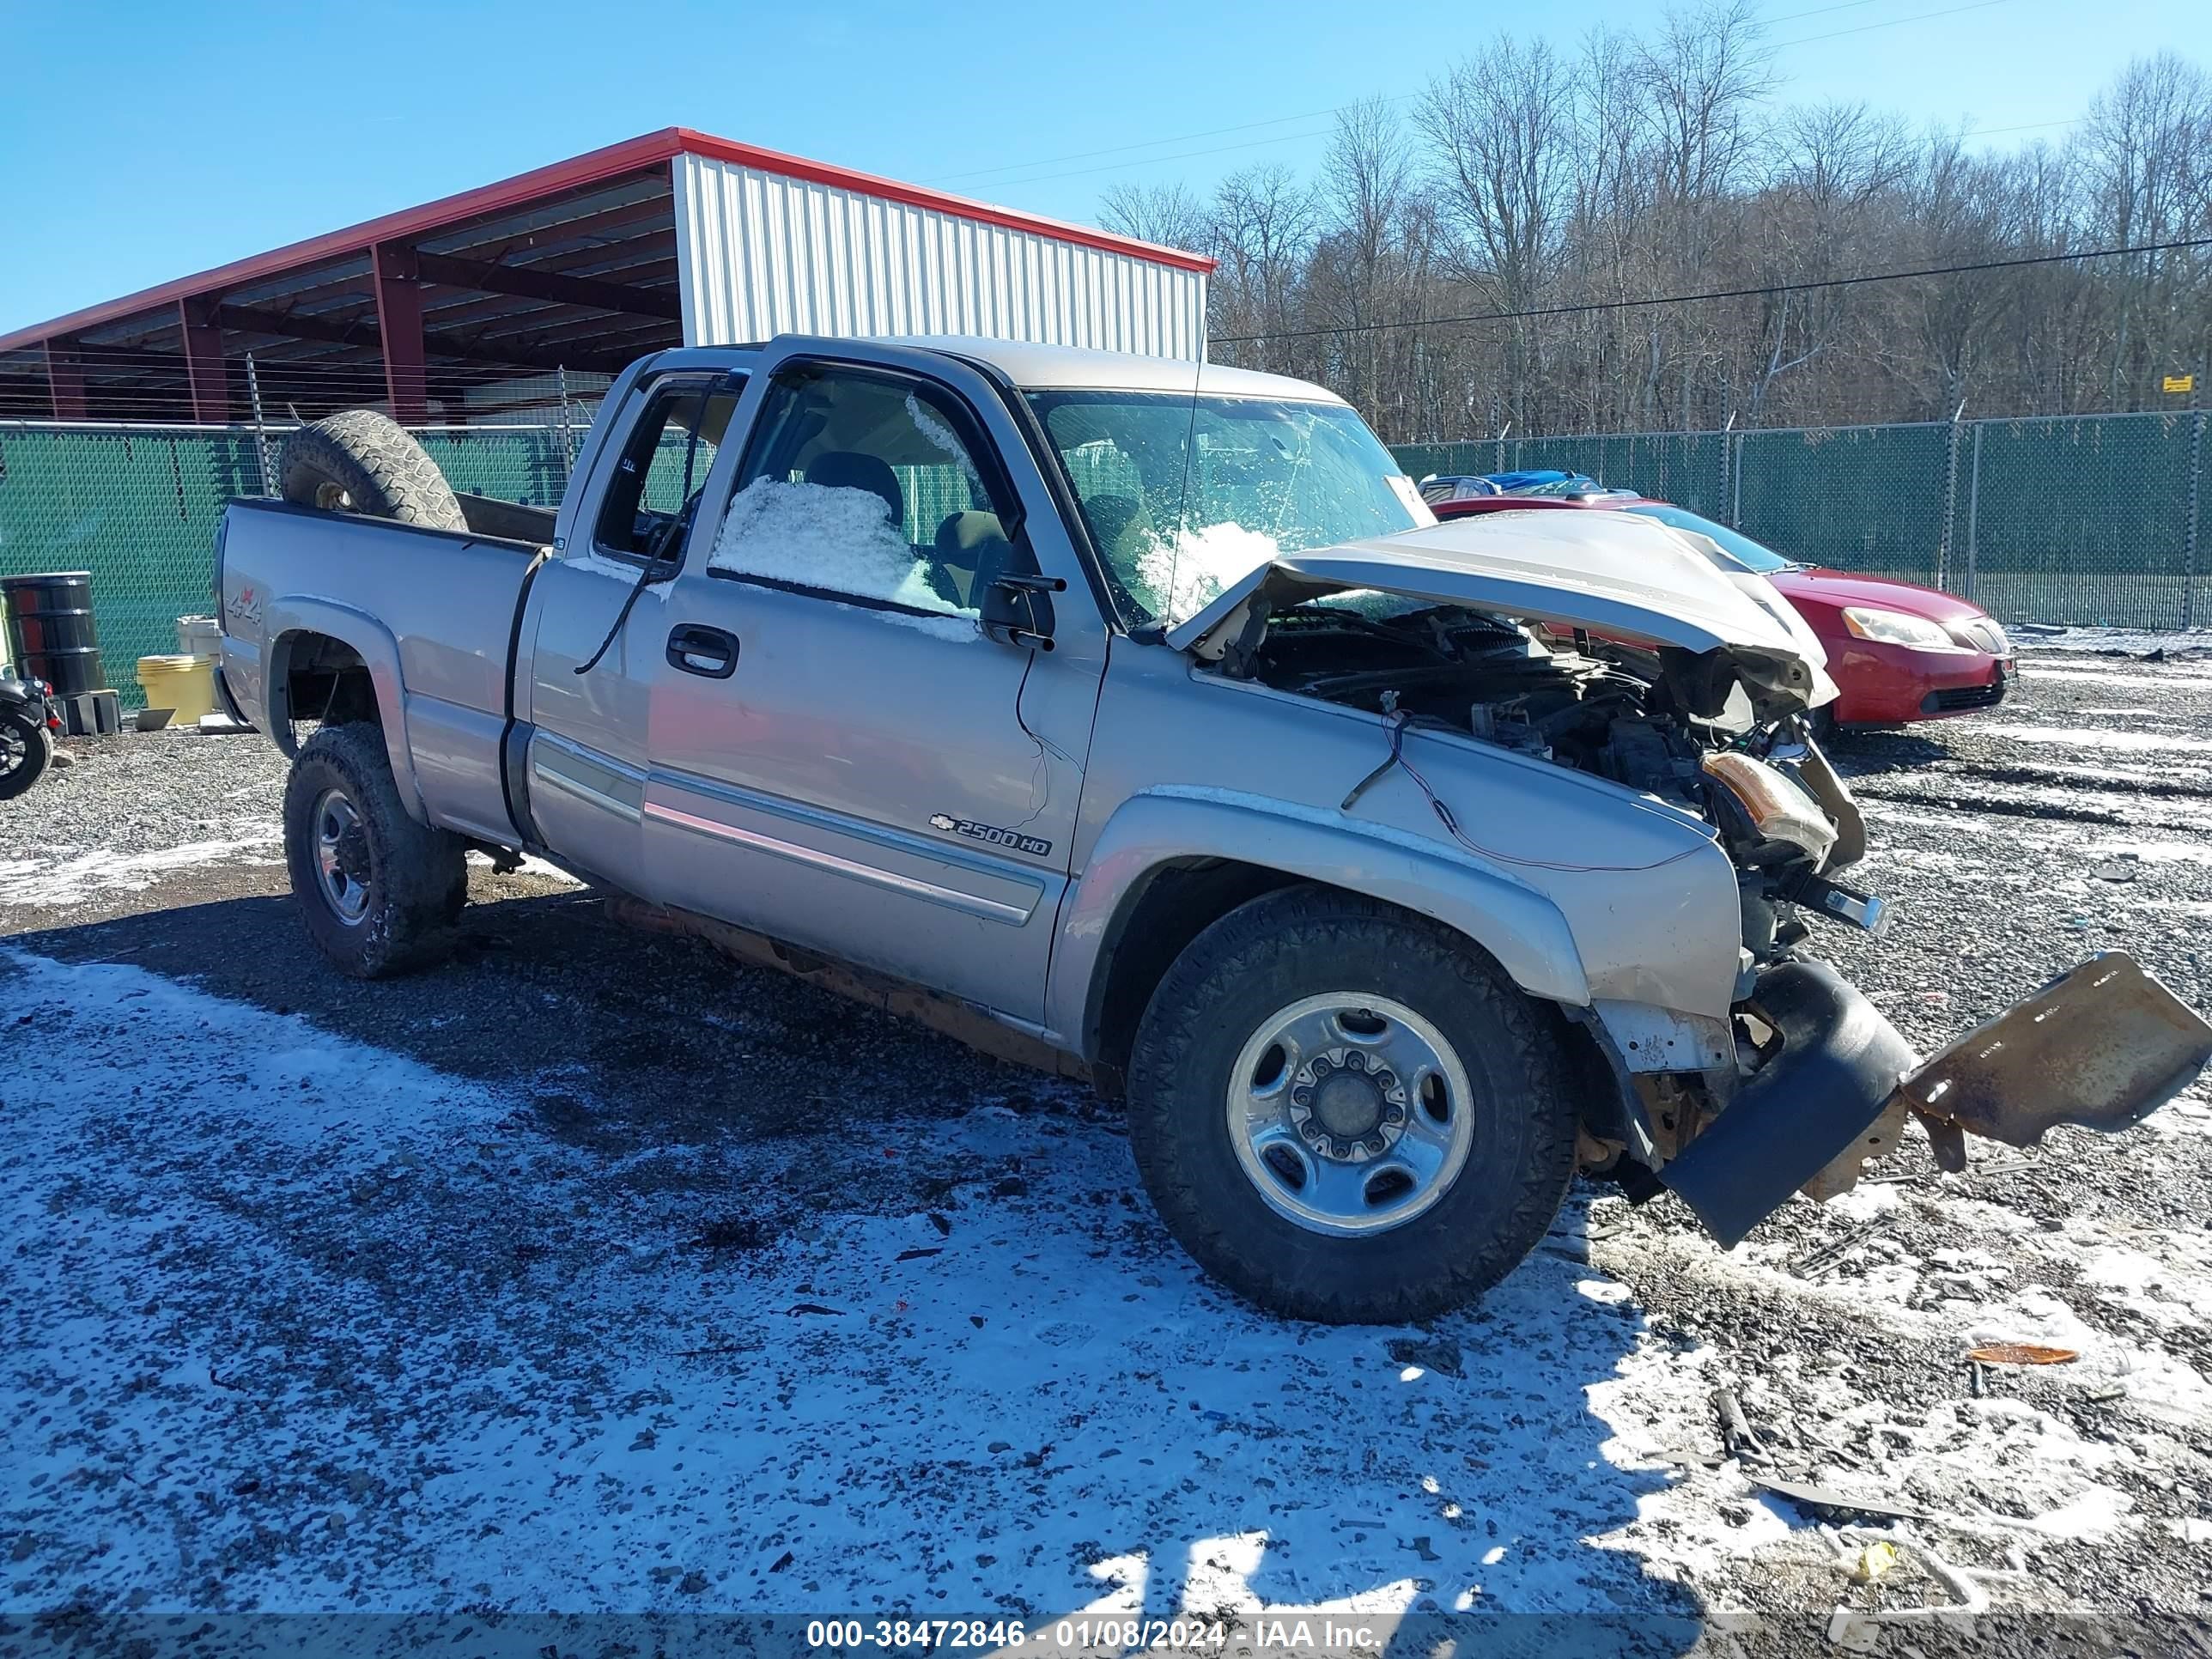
(1039,368)
(1042,367)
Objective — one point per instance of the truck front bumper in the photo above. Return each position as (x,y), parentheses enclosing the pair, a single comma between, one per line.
(2103,1046)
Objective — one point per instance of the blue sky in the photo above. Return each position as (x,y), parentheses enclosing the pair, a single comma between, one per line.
(141,141)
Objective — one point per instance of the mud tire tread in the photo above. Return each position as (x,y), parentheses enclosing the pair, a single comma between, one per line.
(385,472)
(418,875)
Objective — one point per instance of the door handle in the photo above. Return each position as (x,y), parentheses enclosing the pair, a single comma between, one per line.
(696,649)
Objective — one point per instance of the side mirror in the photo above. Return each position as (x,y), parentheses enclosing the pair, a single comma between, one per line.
(1016,602)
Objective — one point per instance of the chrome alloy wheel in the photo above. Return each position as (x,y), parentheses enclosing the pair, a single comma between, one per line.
(342,857)
(1350,1113)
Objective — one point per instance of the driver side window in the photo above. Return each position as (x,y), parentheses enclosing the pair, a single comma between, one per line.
(650,500)
(868,488)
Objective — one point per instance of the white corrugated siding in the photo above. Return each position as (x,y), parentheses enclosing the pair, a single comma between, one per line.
(759,254)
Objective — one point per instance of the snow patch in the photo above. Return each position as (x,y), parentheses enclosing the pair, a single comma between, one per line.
(2116,677)
(2090,736)
(2158,1383)
(826,536)
(2136,641)
(942,437)
(532,866)
(629,575)
(1180,577)
(395,1297)
(64,879)
(2154,852)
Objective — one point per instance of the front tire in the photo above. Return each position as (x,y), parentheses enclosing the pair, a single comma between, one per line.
(1347,1114)
(378,891)
(27,750)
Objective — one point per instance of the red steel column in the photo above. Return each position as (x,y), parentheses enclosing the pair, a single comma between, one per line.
(65,380)
(399,325)
(203,364)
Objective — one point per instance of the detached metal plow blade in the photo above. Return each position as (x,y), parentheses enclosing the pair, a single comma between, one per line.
(2103,1046)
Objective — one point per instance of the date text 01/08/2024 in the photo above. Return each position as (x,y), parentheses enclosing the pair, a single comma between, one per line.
(1084,1635)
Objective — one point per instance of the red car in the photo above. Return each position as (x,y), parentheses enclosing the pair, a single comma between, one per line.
(1896,651)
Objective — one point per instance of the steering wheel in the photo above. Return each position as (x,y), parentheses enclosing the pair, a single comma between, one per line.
(675,532)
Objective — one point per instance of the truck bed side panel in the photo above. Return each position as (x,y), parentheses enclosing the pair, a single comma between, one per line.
(430,613)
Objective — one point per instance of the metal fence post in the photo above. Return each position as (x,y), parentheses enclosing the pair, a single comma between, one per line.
(260,430)
(1727,428)
(1974,507)
(567,450)
(1502,431)
(1736,499)
(2189,529)
(1950,499)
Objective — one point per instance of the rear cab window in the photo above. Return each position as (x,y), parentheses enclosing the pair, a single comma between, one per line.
(651,497)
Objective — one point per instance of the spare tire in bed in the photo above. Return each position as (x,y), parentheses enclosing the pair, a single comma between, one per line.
(363,462)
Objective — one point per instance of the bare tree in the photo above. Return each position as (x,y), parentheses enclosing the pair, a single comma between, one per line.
(2143,142)
(1166,214)
(1500,128)
(1263,224)
(1585,194)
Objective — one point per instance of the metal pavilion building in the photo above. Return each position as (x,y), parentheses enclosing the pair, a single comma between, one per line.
(446,311)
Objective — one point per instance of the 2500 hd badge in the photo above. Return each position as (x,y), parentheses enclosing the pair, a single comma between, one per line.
(992,834)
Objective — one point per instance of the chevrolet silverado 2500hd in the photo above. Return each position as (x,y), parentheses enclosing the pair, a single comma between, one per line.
(1143,715)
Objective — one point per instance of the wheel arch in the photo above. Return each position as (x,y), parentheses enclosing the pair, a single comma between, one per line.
(1166,867)
(327,657)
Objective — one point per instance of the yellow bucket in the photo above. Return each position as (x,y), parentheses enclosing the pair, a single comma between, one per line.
(184,685)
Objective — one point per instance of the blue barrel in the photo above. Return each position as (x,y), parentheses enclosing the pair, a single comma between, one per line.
(50,630)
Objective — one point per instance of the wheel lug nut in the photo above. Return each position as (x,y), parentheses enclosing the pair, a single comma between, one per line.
(1394,1115)
(1356,1060)
(1302,1096)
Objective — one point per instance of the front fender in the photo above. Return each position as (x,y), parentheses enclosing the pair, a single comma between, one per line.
(1523,930)
(286,620)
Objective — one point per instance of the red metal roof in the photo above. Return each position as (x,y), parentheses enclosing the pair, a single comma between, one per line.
(590,168)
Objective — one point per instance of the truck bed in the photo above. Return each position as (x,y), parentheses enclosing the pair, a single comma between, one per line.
(309,597)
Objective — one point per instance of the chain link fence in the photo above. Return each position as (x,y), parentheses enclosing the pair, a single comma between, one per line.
(2090,519)
(138,506)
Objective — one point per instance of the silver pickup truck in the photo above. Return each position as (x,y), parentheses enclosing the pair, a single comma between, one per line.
(1140,721)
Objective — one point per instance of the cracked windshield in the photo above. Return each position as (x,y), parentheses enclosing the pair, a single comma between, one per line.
(1181,502)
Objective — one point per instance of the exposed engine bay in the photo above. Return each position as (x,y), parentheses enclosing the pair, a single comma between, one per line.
(1664,723)
(1585,708)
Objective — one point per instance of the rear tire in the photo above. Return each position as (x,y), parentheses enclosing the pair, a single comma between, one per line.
(27,750)
(1417,1001)
(378,891)
(361,462)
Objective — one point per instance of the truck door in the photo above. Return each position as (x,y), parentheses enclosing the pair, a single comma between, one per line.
(585,762)
(838,756)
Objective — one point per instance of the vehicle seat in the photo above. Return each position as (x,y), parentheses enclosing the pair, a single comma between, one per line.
(849,469)
(971,551)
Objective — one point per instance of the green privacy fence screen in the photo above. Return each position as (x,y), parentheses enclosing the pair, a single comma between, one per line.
(2095,520)
(138,506)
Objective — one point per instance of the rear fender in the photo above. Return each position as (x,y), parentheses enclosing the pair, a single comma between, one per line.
(1517,925)
(288,620)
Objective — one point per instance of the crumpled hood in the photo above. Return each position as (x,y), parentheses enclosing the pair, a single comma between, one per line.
(1614,574)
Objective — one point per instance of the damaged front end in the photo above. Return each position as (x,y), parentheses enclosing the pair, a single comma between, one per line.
(1822,1081)
(2102,1046)
(1569,641)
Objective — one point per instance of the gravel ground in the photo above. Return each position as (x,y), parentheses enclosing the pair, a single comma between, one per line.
(591,1271)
